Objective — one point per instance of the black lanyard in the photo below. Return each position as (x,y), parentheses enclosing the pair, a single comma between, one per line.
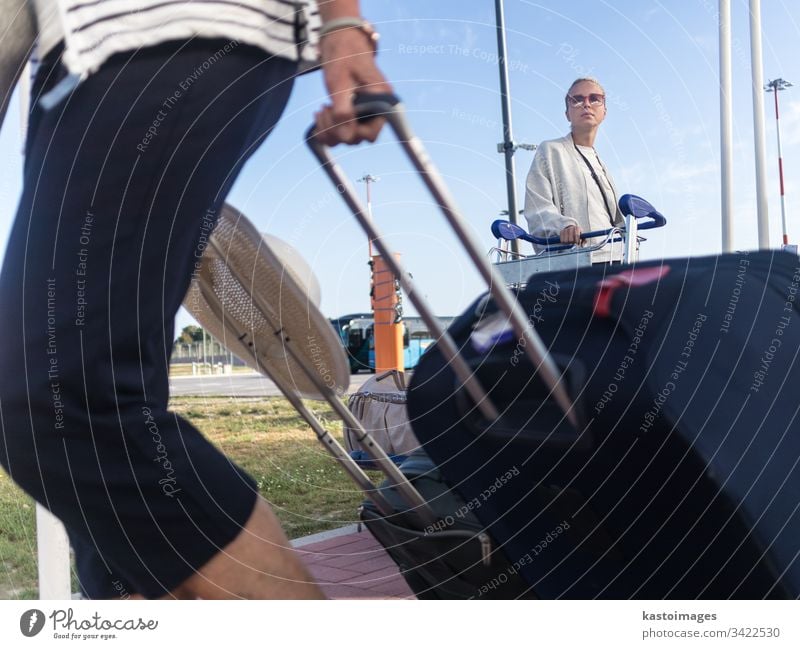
(599,184)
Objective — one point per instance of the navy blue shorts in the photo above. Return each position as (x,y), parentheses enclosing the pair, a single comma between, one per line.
(122,180)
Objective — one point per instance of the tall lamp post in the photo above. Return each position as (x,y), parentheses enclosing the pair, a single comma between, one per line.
(774,86)
(369,179)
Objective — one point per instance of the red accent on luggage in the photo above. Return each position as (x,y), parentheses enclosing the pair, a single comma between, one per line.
(632,277)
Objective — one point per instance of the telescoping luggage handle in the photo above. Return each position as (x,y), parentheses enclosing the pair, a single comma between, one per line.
(369,106)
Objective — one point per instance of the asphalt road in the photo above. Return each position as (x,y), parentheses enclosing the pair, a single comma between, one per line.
(237,385)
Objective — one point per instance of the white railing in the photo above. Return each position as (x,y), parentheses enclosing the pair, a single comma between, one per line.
(53,556)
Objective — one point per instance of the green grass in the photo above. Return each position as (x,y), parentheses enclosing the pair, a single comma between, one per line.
(17,542)
(308,490)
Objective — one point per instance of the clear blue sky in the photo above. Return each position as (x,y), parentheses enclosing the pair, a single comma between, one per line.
(658,62)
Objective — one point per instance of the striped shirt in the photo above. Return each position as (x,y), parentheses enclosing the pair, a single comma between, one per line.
(94,30)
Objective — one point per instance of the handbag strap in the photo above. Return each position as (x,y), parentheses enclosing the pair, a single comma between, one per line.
(599,184)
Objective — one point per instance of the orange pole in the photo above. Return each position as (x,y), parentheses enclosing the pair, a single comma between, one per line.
(388,333)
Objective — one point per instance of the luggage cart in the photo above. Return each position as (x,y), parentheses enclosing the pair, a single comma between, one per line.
(516,268)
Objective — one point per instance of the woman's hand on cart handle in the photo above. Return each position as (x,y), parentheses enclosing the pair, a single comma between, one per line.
(582,236)
(571,234)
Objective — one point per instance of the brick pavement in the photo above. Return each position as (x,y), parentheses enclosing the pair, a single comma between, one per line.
(353,565)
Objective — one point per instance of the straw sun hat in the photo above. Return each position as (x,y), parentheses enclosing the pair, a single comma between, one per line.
(258,297)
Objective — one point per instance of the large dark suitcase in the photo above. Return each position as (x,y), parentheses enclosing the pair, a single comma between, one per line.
(682,480)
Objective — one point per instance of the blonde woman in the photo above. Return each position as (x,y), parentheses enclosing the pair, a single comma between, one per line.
(569,190)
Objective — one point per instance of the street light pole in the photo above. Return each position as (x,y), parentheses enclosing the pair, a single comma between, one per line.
(774,86)
(368,179)
(507,146)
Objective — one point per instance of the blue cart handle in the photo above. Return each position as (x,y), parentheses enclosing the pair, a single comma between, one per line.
(629,204)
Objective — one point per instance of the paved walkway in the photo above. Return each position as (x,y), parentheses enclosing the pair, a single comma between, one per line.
(352,565)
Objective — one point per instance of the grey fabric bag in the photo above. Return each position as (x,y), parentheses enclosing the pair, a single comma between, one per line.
(380,406)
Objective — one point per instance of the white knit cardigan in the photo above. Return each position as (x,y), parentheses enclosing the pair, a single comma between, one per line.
(557,192)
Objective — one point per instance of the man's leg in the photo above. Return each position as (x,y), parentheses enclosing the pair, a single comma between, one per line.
(257,564)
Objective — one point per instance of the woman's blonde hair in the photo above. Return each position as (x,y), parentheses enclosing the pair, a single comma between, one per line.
(580,80)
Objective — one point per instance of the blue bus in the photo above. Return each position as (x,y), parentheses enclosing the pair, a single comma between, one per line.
(356,331)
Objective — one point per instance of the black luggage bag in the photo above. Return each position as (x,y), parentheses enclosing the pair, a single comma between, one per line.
(682,480)
(451,558)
